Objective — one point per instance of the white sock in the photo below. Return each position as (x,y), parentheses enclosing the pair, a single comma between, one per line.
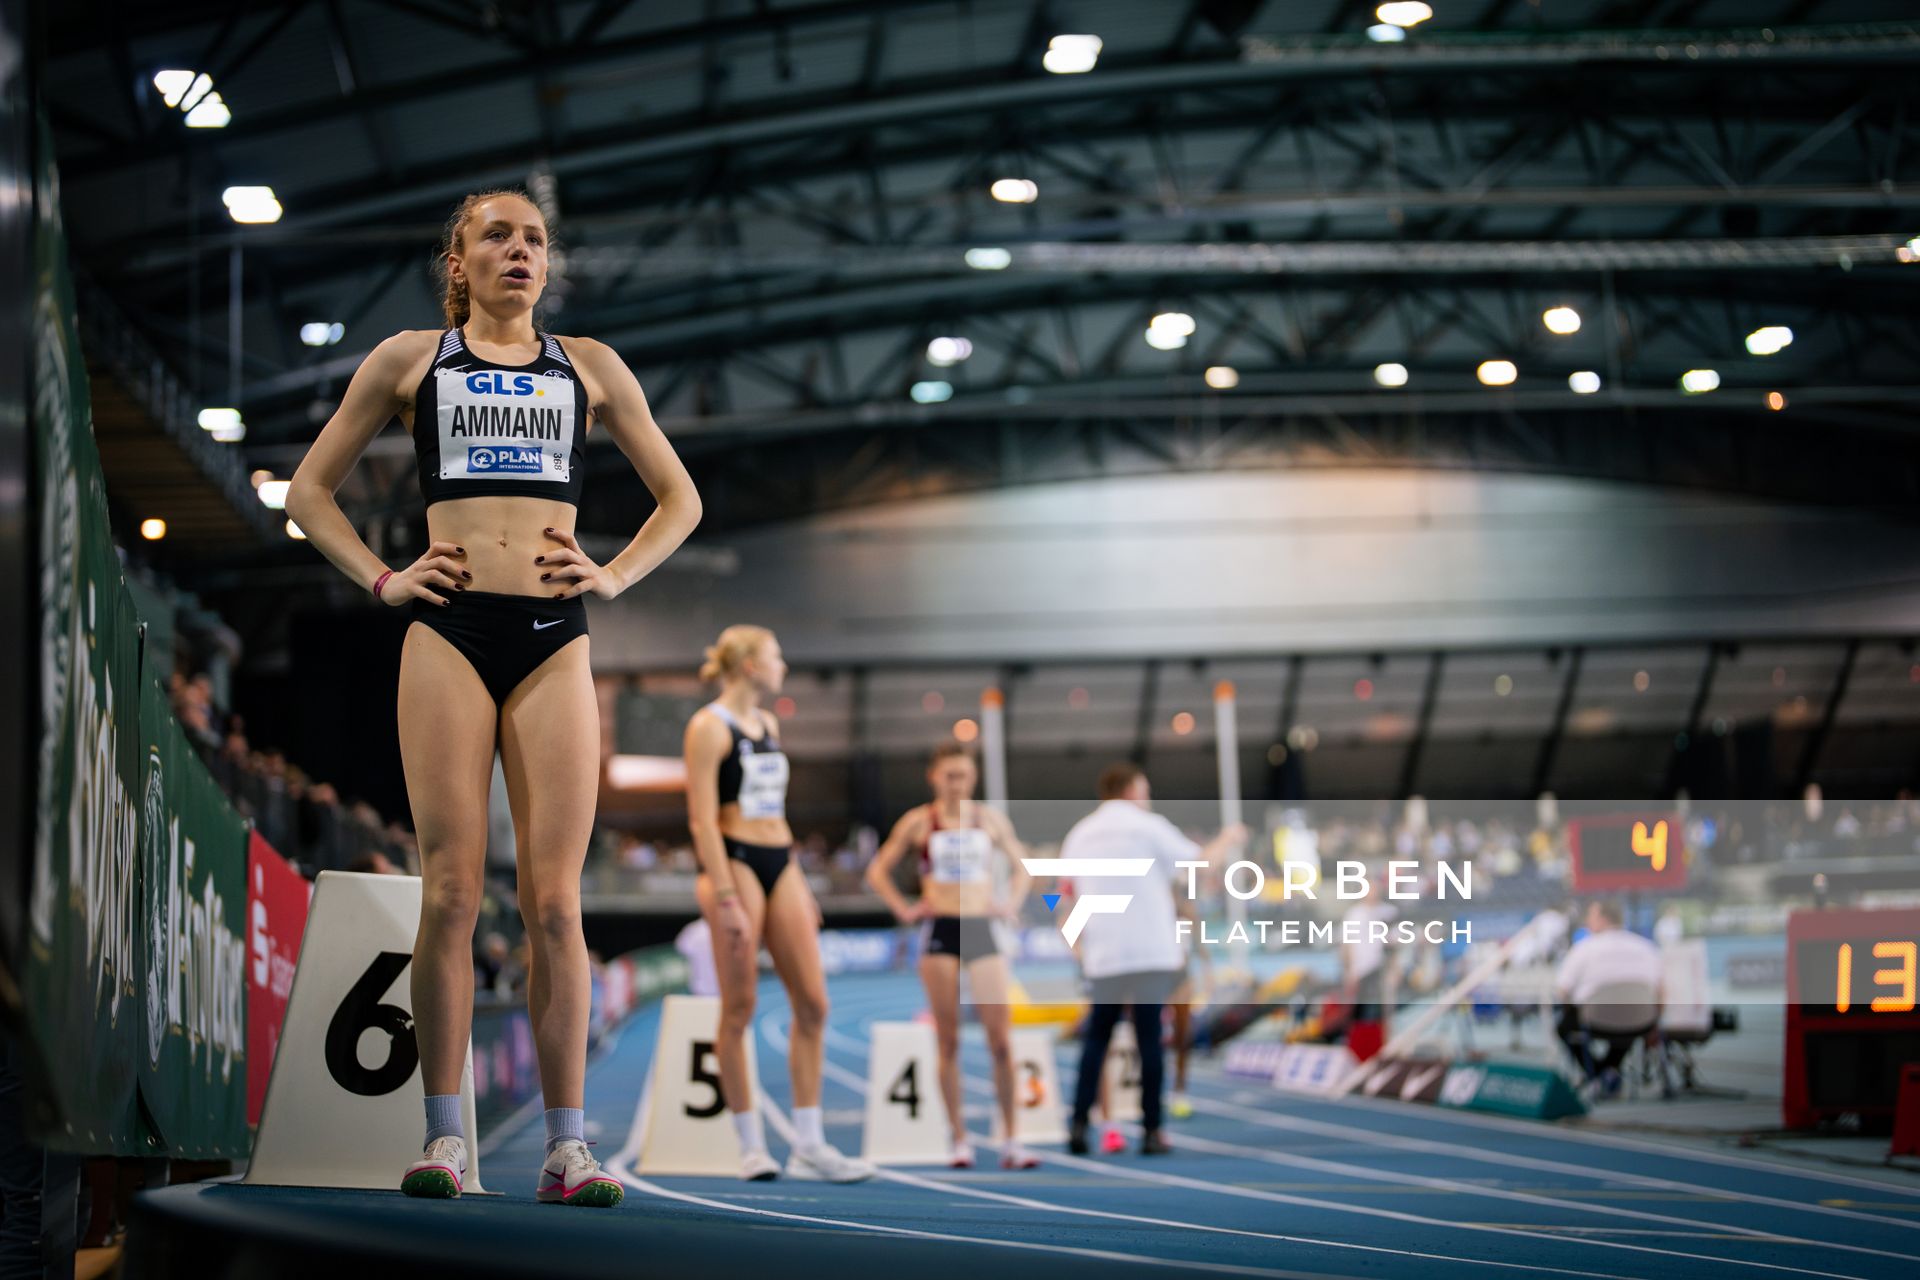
(809,1131)
(746,1126)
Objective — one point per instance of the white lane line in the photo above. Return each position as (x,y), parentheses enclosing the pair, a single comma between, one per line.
(1623,1142)
(1469,1188)
(1379,1138)
(1460,1186)
(843,1076)
(1374,1137)
(1102,1255)
(835,1071)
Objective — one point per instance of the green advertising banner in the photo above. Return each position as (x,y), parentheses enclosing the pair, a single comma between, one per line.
(83,965)
(193,849)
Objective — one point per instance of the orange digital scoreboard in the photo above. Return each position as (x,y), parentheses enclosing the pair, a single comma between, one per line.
(1851,1015)
(1628,853)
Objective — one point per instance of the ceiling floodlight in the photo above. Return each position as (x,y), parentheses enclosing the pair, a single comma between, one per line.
(945,352)
(1178,322)
(1071,55)
(177,87)
(209,113)
(251,204)
(1561,320)
(1411,13)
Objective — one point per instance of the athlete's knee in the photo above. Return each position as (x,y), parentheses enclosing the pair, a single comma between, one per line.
(1001,1048)
(736,1013)
(809,1009)
(554,917)
(451,902)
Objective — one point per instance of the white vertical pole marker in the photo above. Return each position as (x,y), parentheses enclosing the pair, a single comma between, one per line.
(1226,750)
(993,746)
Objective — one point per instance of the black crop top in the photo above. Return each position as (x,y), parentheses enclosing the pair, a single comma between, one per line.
(482,429)
(753,773)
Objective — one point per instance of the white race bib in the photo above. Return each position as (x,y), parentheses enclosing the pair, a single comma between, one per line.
(959,856)
(763,783)
(496,424)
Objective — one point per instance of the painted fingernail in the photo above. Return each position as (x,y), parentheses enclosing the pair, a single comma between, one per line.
(539,559)
(461,550)
(547,531)
(465,574)
(545,576)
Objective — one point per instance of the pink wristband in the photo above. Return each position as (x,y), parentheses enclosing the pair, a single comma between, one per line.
(380,582)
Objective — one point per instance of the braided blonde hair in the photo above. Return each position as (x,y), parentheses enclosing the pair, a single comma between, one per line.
(730,652)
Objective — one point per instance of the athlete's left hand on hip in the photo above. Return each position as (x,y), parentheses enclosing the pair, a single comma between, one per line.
(570,568)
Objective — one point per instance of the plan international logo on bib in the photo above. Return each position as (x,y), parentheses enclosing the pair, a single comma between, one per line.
(503,459)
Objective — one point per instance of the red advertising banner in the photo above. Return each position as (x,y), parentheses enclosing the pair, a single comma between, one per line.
(276,917)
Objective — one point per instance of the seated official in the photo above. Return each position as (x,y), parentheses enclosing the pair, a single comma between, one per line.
(1626,967)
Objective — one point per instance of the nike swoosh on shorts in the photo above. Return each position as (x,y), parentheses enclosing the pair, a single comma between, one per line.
(542,626)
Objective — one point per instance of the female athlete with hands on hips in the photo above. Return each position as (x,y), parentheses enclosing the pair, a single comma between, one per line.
(956,839)
(496,656)
(749,889)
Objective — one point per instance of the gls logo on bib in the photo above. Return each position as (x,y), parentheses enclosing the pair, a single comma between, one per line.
(501,384)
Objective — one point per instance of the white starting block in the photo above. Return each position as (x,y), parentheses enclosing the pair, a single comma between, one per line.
(1121,1073)
(682,1126)
(345,1106)
(906,1121)
(1039,1110)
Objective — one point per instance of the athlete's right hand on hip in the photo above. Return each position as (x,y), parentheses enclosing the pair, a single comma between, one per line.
(439,567)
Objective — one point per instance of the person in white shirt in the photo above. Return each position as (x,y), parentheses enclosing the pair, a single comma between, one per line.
(1609,954)
(1134,957)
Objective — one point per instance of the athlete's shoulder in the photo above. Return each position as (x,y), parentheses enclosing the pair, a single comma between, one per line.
(412,340)
(405,348)
(589,351)
(705,725)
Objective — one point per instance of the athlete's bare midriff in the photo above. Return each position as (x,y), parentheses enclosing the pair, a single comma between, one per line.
(502,535)
(772,833)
